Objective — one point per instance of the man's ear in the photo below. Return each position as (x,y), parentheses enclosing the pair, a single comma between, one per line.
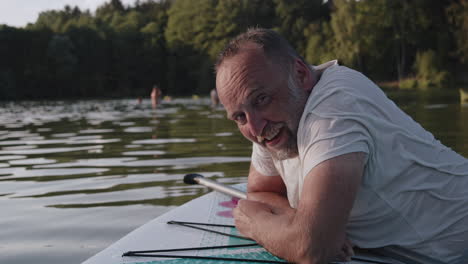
(304,77)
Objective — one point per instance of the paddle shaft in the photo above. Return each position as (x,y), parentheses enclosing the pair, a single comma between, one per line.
(220,187)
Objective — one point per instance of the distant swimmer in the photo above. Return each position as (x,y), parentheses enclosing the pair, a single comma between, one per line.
(214,98)
(139,102)
(155,95)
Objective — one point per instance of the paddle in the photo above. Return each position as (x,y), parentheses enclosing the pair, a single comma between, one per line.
(195,178)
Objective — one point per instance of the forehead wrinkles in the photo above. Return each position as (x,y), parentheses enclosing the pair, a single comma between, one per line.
(237,79)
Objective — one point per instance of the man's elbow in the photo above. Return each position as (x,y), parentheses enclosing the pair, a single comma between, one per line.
(310,250)
(305,256)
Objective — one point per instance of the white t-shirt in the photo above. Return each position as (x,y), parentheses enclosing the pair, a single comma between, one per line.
(414,191)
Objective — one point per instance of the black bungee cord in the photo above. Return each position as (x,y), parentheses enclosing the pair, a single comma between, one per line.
(195,225)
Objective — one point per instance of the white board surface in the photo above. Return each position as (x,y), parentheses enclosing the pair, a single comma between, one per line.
(157,234)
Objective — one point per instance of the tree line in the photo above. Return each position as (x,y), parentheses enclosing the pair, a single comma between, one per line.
(122,51)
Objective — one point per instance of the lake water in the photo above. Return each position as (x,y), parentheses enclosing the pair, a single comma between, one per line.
(75,176)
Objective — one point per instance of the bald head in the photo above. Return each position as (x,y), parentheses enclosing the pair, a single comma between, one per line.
(245,71)
(275,47)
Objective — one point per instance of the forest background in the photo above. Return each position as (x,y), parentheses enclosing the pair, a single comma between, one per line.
(122,51)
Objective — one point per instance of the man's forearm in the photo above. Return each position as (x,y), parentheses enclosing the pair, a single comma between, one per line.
(258,182)
(279,231)
(273,223)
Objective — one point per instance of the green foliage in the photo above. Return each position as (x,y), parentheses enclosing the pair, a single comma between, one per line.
(108,10)
(295,17)
(60,21)
(429,72)
(7,85)
(408,84)
(61,62)
(234,17)
(458,18)
(188,36)
(373,35)
(346,33)
(319,48)
(359,34)
(124,50)
(187,27)
(197,39)
(426,64)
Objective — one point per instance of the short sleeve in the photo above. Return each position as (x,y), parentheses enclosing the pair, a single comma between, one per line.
(262,161)
(326,138)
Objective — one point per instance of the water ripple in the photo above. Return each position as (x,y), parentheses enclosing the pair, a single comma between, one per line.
(132,162)
(22,172)
(95,131)
(138,129)
(34,161)
(48,150)
(143,152)
(164,141)
(12,157)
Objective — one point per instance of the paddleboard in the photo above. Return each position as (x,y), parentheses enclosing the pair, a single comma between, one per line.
(212,208)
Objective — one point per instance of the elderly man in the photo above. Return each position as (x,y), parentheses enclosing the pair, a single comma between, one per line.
(334,159)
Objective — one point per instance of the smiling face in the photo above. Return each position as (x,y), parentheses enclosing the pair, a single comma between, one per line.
(263,99)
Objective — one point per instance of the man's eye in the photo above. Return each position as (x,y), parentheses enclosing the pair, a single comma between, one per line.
(262,100)
(240,119)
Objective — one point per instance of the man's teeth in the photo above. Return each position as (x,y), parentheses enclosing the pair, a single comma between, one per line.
(272,133)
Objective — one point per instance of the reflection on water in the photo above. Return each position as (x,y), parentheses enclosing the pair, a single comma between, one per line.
(76,176)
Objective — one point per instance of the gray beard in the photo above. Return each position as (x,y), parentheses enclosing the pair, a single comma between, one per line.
(297,98)
(290,151)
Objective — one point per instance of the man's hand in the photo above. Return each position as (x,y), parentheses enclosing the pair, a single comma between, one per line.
(346,251)
(246,214)
(260,206)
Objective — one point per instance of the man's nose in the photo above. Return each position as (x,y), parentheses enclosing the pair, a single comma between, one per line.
(256,124)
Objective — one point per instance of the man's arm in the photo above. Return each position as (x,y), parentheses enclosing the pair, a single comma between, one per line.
(315,231)
(258,182)
(266,189)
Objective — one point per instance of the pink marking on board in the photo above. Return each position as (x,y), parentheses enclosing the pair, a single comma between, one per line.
(227,214)
(228,204)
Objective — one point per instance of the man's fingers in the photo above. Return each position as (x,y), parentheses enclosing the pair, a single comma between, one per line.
(259,196)
(346,251)
(245,213)
(344,254)
(251,208)
(341,256)
(348,248)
